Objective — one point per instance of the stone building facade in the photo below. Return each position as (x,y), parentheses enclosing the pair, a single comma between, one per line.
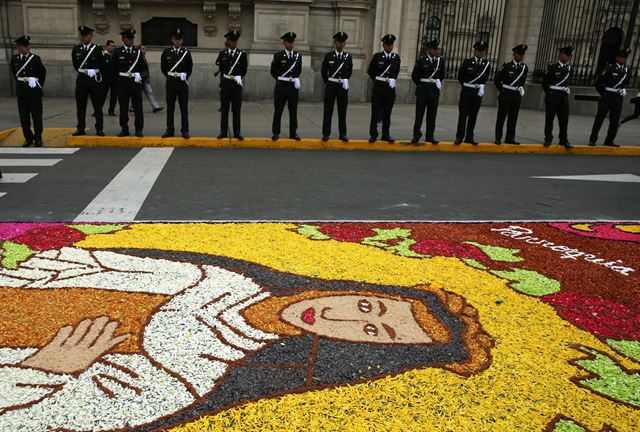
(53,24)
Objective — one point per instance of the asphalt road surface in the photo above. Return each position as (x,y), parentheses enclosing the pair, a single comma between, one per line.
(115,184)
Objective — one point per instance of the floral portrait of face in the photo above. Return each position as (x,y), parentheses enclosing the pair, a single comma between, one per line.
(358,318)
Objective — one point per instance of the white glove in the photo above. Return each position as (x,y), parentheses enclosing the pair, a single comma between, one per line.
(33,82)
(137,77)
(91,73)
(345,84)
(481,90)
(439,84)
(238,80)
(623,92)
(521,91)
(392,83)
(183,76)
(568,90)
(296,83)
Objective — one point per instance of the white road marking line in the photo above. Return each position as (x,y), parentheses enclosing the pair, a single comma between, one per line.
(2,194)
(29,162)
(122,198)
(617,178)
(40,150)
(17,177)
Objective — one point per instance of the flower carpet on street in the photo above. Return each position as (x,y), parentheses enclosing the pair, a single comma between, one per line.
(320,326)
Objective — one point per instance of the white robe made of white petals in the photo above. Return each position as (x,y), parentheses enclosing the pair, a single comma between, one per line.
(184,356)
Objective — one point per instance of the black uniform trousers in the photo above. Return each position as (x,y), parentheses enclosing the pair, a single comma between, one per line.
(468,108)
(609,103)
(86,89)
(177,89)
(382,99)
(635,115)
(285,93)
(508,109)
(426,100)
(110,88)
(231,97)
(129,91)
(556,104)
(30,107)
(333,91)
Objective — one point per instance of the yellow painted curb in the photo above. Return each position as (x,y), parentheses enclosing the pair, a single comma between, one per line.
(52,137)
(316,144)
(5,134)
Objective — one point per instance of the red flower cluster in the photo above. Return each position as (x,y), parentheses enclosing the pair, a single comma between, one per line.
(601,317)
(448,249)
(50,237)
(346,233)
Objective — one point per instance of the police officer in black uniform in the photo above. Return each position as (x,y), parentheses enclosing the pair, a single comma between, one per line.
(109,77)
(427,74)
(509,80)
(88,61)
(612,86)
(176,65)
(130,65)
(555,83)
(286,68)
(30,74)
(232,66)
(472,75)
(383,70)
(336,70)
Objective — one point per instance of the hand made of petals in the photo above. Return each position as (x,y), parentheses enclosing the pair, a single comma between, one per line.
(74,349)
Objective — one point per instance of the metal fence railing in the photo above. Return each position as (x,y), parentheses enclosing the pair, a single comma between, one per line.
(596,29)
(458,25)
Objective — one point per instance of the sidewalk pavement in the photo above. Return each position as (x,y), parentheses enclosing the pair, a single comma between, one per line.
(257,116)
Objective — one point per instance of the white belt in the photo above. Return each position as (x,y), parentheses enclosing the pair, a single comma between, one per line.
(86,71)
(174,74)
(559,88)
(613,90)
(379,78)
(428,80)
(473,86)
(336,80)
(233,77)
(127,74)
(287,79)
(510,87)
(24,79)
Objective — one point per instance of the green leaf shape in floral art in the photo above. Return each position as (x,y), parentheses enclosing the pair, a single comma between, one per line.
(14,254)
(402,247)
(529,282)
(89,229)
(611,379)
(564,425)
(313,231)
(627,347)
(498,253)
(473,263)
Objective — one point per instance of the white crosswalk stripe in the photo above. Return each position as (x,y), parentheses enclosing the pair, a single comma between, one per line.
(34,161)
(28,162)
(17,177)
(38,151)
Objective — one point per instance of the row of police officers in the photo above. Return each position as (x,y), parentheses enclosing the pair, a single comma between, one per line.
(124,68)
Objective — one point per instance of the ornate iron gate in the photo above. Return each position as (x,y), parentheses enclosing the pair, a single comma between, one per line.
(595,28)
(458,24)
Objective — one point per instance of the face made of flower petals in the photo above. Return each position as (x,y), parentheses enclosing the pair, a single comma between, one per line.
(357,318)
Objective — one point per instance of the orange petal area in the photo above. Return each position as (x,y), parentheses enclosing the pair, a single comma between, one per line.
(52,309)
